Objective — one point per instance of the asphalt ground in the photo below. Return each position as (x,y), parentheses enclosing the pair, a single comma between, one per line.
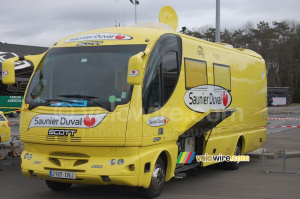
(250,181)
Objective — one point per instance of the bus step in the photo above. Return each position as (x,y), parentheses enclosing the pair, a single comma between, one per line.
(186,167)
(180,175)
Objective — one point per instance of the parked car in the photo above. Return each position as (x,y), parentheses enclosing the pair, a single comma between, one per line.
(4,128)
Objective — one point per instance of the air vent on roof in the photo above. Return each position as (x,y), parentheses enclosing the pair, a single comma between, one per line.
(225,45)
(154,25)
(249,52)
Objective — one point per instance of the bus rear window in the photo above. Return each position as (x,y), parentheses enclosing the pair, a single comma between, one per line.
(222,76)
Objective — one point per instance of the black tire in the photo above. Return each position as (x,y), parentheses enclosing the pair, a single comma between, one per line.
(58,186)
(157,181)
(2,153)
(17,145)
(234,165)
(14,114)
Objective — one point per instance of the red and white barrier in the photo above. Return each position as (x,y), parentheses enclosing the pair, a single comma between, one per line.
(282,118)
(273,127)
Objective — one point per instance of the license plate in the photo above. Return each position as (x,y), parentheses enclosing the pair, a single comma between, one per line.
(62,174)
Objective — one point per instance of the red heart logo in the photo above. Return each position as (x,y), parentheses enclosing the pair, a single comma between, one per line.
(119,37)
(89,122)
(133,71)
(225,99)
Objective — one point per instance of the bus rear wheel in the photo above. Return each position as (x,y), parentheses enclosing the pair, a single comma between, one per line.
(234,165)
(157,181)
(58,186)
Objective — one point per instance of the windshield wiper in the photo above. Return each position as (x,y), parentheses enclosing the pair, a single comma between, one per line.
(88,98)
(47,102)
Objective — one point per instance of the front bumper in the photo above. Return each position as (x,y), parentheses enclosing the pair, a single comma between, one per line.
(89,163)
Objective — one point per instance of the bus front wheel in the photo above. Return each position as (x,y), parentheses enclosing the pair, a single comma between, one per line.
(58,186)
(157,181)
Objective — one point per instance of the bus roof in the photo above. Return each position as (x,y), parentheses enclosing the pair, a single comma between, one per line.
(134,35)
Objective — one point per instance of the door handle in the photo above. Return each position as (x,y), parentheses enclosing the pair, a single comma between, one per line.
(160,131)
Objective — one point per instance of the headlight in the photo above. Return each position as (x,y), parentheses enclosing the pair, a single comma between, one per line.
(26,156)
(120,161)
(112,162)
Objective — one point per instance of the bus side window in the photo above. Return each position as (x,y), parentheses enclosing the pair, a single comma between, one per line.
(195,73)
(162,72)
(170,74)
(155,91)
(164,82)
(222,76)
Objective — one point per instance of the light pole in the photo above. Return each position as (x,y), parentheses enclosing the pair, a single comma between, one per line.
(218,21)
(135,3)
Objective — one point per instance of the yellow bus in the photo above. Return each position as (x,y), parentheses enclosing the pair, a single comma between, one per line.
(120,106)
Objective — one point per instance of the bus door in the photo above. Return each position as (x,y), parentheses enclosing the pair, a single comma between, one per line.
(159,85)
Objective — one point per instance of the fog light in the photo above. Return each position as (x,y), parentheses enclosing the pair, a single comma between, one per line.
(26,156)
(131,167)
(120,161)
(112,162)
(105,178)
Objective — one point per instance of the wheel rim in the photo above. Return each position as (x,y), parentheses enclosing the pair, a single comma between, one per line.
(158,177)
(237,152)
(17,145)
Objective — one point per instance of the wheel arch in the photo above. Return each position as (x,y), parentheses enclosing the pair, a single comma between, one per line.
(241,141)
(168,163)
(168,153)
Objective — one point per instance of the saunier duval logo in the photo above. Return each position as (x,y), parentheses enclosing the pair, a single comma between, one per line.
(99,36)
(157,121)
(205,97)
(89,121)
(67,121)
(133,73)
(4,73)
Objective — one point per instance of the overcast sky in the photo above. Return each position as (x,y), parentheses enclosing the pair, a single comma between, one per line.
(43,22)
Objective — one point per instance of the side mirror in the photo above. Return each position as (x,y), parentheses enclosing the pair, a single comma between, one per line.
(135,69)
(8,71)
(8,67)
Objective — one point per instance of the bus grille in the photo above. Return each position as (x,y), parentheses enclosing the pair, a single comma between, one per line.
(62,139)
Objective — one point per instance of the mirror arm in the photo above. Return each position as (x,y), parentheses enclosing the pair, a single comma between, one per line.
(145,52)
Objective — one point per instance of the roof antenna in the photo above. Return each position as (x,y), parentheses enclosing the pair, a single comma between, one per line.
(124,16)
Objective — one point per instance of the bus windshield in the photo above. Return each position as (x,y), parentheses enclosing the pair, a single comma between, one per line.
(83,76)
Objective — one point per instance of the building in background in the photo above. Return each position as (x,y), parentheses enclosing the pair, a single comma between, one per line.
(279,93)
